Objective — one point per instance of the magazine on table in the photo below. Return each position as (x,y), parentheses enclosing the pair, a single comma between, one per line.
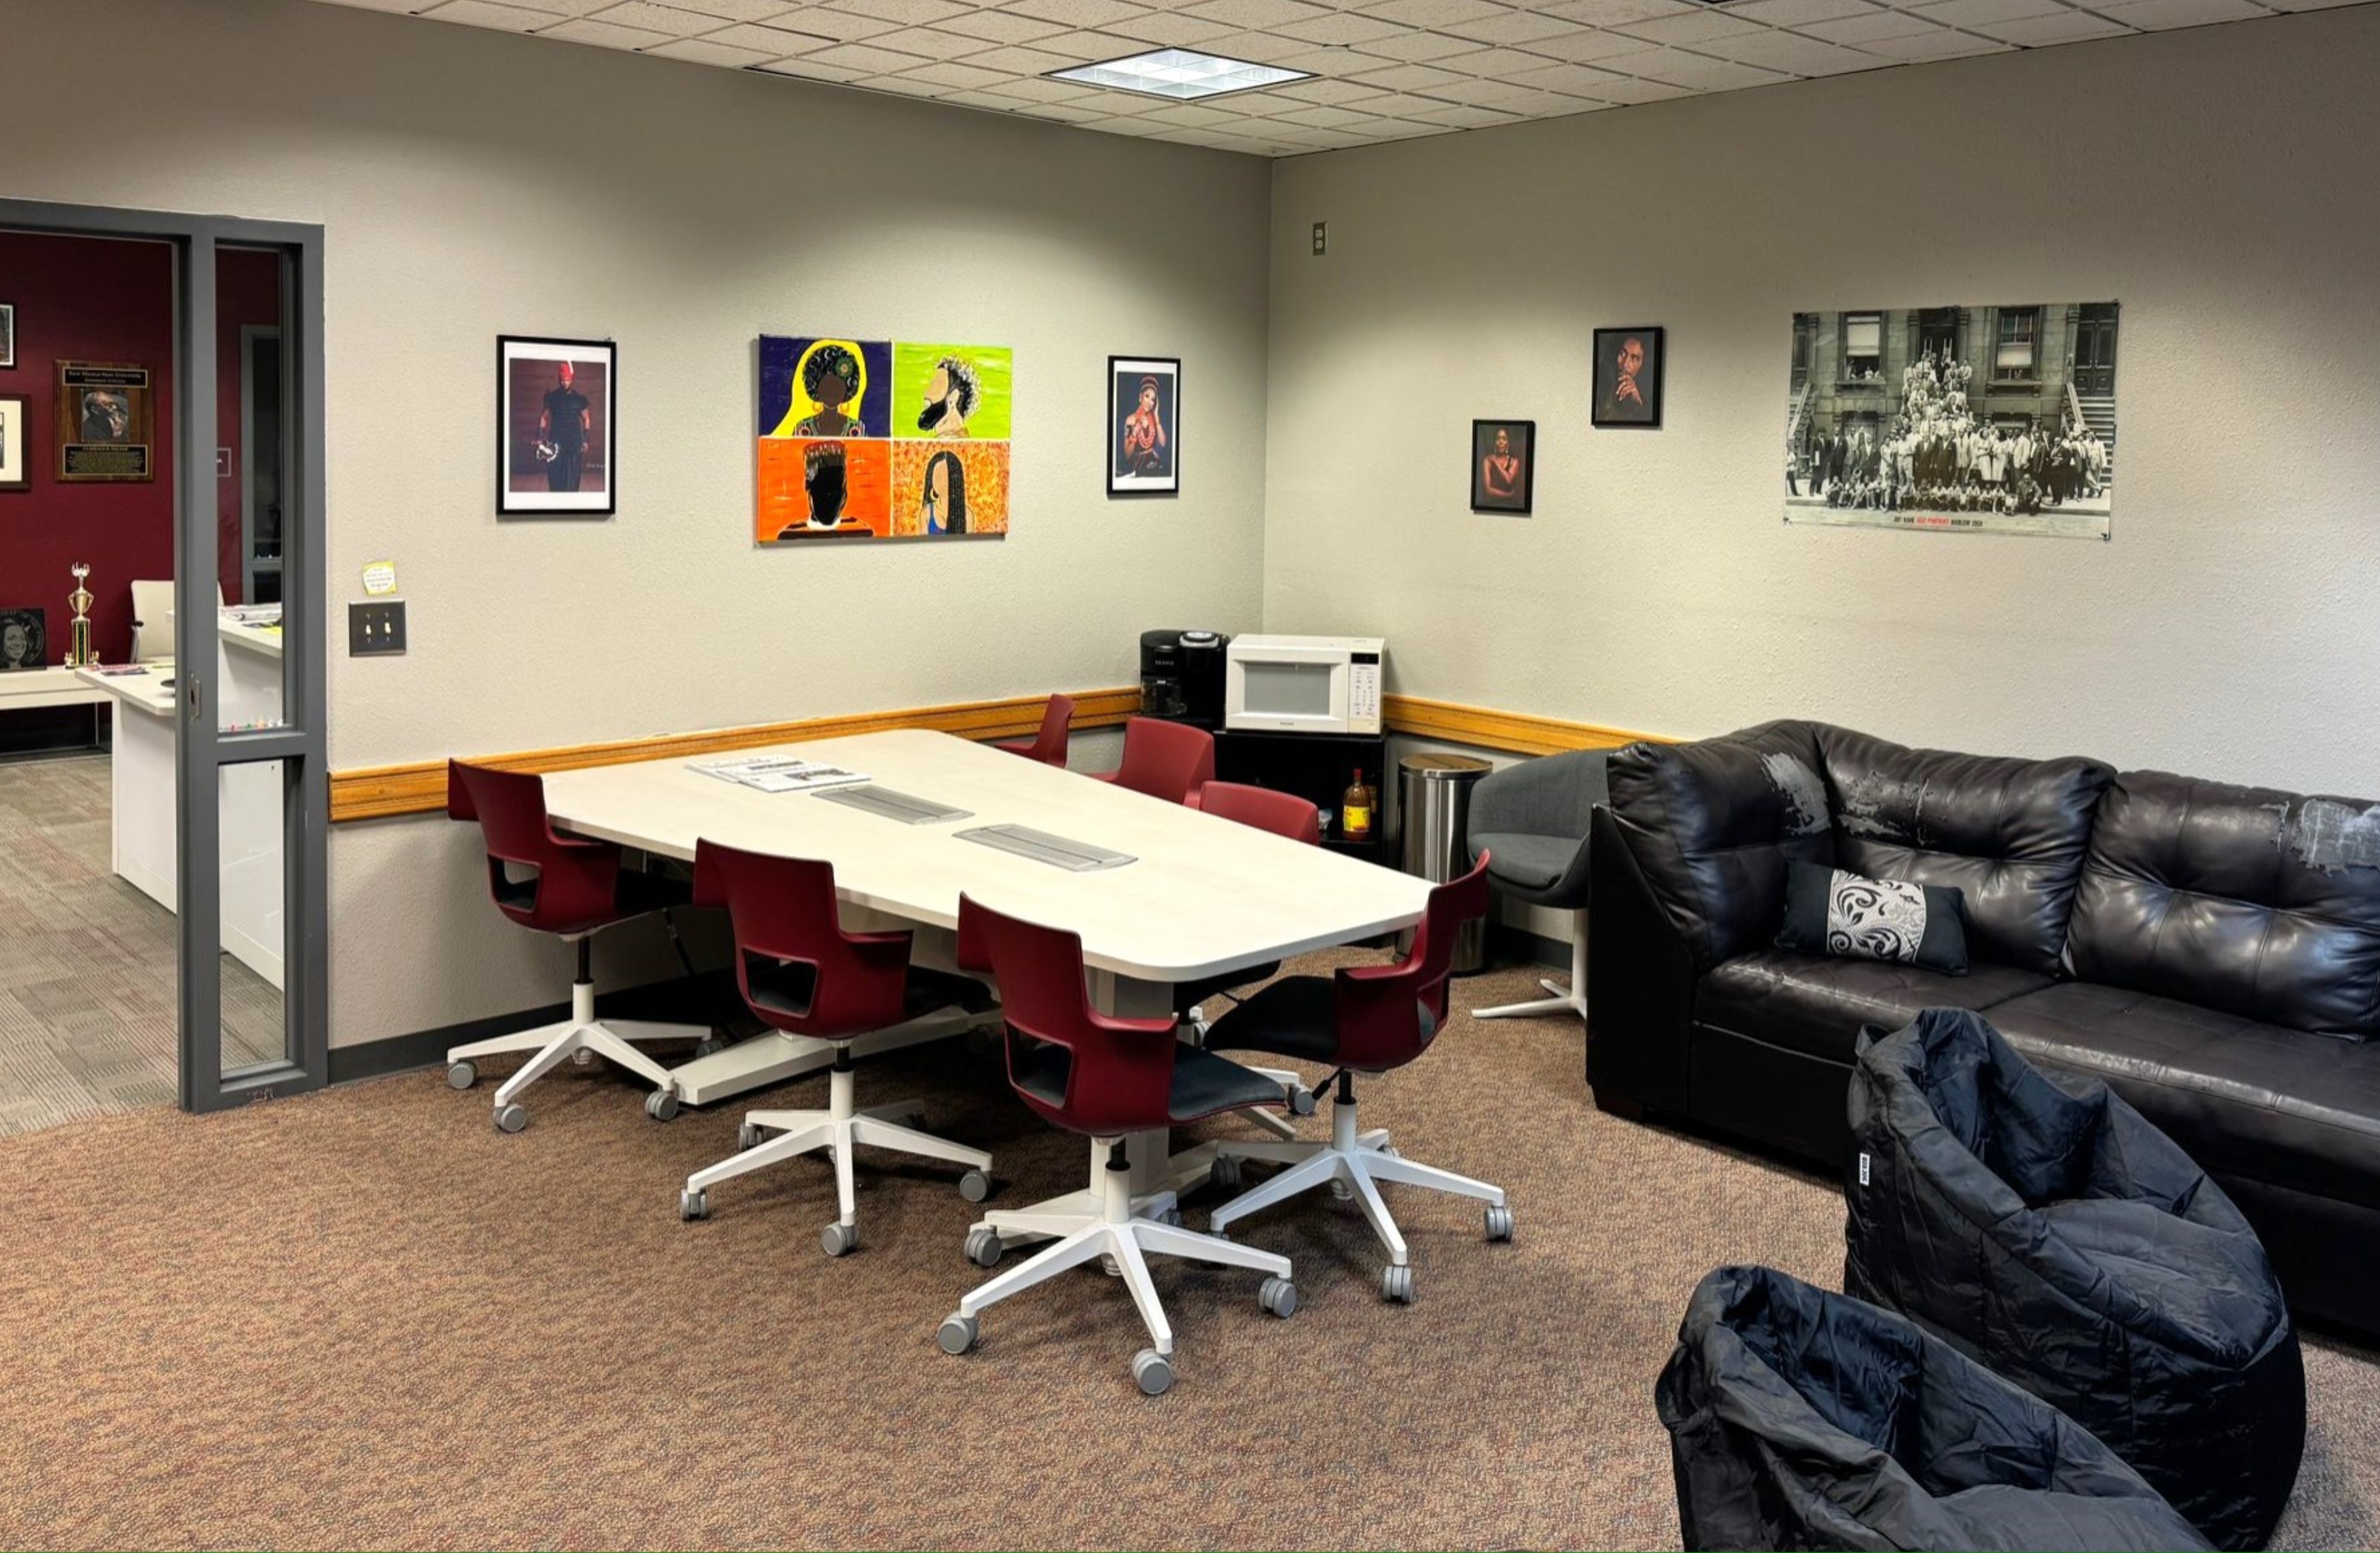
(778,773)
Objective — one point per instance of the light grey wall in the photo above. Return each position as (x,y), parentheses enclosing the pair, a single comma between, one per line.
(473,184)
(2217,182)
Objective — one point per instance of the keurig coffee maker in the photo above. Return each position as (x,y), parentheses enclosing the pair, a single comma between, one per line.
(1181,676)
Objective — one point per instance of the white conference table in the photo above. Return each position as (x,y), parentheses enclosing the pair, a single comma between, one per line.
(1202,896)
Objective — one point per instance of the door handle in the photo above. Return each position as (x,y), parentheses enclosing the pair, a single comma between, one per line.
(192,696)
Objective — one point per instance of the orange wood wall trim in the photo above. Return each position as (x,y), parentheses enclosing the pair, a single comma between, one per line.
(419,787)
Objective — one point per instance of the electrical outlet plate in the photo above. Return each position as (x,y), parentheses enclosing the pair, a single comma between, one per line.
(376,628)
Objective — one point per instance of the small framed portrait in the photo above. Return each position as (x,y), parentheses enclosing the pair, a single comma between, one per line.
(103,422)
(24,642)
(1628,377)
(14,475)
(8,333)
(1143,426)
(1503,465)
(557,423)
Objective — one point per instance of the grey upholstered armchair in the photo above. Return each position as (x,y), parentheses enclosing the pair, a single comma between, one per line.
(1532,821)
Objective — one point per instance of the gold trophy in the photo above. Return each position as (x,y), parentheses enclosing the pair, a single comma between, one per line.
(79,653)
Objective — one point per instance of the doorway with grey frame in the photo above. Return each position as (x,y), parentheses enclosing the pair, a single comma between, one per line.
(210,874)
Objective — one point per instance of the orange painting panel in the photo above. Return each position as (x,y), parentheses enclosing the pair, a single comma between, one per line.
(785,505)
(984,478)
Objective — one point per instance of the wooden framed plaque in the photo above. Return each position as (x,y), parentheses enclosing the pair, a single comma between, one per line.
(104,422)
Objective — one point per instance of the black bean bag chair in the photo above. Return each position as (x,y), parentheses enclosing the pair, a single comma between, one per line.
(2052,1233)
(1800,1418)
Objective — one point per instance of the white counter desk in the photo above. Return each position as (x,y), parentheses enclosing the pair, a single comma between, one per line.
(1202,895)
(248,677)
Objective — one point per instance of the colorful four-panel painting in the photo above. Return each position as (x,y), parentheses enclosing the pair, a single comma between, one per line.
(878,438)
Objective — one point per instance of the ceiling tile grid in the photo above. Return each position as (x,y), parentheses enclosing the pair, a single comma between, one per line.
(1382,69)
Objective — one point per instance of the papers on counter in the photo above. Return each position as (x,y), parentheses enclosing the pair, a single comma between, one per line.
(777,773)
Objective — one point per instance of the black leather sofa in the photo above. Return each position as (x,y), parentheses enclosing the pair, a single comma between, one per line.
(2211,951)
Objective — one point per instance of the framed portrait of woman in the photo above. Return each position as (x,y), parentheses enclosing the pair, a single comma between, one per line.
(1143,426)
(1503,465)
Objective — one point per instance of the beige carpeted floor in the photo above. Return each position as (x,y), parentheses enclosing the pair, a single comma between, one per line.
(364,1318)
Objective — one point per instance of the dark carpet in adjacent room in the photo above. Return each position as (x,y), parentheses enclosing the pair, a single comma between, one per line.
(364,1318)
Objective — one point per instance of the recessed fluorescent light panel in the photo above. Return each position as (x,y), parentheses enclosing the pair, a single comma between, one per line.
(1181,74)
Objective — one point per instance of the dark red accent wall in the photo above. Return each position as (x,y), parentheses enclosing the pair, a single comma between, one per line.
(247,290)
(86,299)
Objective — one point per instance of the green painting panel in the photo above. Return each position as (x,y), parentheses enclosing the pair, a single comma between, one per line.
(930,400)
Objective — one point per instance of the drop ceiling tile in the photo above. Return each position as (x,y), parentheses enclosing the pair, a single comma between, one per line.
(1192,116)
(1942,43)
(872,58)
(1326,62)
(1397,104)
(1862,31)
(1580,80)
(604,34)
(2063,27)
(1432,13)
(1976,13)
(774,42)
(1091,47)
(1514,27)
(1617,13)
(1627,92)
(1325,91)
(2160,14)
(1016,61)
(1476,93)
(1687,28)
(903,86)
(940,42)
(2310,4)
(1060,113)
(738,10)
(702,51)
(1125,125)
(1075,13)
(1793,53)
(843,26)
(1461,117)
(1590,46)
(1265,48)
(1798,13)
(953,75)
(1323,117)
(1491,64)
(407,6)
(1340,27)
(908,13)
(504,18)
(1546,104)
(1001,27)
(1679,69)
(1253,14)
(1408,78)
(666,20)
(806,70)
(1413,48)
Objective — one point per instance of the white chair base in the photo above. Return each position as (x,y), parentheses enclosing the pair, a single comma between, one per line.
(838,1128)
(1127,1239)
(1359,1162)
(554,1044)
(1570,1000)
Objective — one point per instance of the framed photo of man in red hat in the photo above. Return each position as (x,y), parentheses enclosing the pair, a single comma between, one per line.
(1143,426)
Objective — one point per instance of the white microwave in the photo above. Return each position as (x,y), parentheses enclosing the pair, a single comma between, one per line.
(1303,684)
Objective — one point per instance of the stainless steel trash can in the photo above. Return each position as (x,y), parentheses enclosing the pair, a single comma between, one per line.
(1433,815)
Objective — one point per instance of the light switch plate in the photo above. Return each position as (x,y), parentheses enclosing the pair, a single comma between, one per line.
(376,628)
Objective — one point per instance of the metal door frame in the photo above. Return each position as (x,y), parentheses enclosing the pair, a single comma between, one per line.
(201,750)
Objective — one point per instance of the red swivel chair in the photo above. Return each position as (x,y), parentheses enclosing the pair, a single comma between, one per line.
(1048,746)
(573,888)
(1107,1077)
(1168,760)
(801,973)
(1293,818)
(1365,1019)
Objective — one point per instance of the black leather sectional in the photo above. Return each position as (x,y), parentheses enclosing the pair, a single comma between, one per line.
(2211,951)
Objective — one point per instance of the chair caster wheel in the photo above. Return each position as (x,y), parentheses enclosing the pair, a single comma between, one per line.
(461,1076)
(1226,1174)
(708,1045)
(1341,1190)
(958,1333)
(975,1186)
(1153,1372)
(983,1247)
(839,1238)
(660,1105)
(747,1136)
(1278,1296)
(1301,1101)
(1499,1223)
(1171,1216)
(692,1206)
(1110,1266)
(512,1118)
(1397,1284)
(582,1057)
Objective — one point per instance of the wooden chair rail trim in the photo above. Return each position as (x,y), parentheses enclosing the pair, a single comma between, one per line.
(420,786)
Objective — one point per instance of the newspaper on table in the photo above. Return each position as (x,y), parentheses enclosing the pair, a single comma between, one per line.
(778,773)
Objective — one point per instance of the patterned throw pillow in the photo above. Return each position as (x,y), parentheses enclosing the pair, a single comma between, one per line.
(1829,911)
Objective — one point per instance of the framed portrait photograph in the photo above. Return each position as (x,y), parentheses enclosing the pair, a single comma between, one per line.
(104,422)
(557,412)
(1628,377)
(8,333)
(24,642)
(1144,425)
(14,475)
(1503,465)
